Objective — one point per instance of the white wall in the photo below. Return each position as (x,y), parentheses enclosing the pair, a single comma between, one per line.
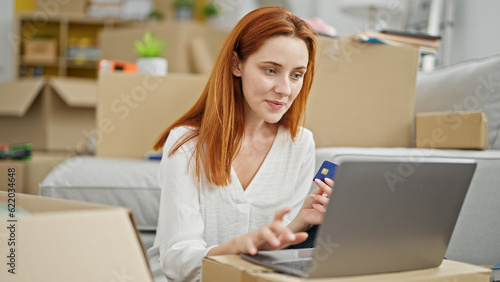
(477,30)
(331,12)
(232,11)
(6,22)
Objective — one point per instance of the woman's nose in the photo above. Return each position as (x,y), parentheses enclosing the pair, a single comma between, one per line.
(283,86)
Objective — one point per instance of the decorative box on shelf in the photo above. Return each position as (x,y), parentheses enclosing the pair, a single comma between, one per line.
(40,50)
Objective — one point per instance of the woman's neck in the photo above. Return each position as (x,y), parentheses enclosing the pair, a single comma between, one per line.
(254,129)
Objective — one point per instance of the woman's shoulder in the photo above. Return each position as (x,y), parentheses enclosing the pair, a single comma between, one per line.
(179,131)
(305,133)
(177,134)
(304,137)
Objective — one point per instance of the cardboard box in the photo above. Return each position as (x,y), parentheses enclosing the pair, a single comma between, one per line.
(22,111)
(40,50)
(17,182)
(134,109)
(53,114)
(71,114)
(189,44)
(63,240)
(30,173)
(359,99)
(232,268)
(452,130)
(363,94)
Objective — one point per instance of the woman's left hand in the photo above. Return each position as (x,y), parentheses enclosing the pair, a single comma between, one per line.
(314,207)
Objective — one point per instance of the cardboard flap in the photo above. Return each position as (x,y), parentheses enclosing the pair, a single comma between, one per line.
(76,92)
(233,268)
(17,96)
(237,262)
(36,204)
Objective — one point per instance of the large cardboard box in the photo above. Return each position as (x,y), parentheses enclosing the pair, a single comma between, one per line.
(452,130)
(363,94)
(30,173)
(63,240)
(232,268)
(52,114)
(134,109)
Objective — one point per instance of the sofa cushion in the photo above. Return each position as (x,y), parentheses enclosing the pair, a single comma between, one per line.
(469,85)
(130,183)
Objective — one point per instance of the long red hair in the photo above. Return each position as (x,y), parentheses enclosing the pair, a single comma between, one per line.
(217,118)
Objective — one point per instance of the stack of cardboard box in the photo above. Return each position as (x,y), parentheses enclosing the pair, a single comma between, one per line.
(362,96)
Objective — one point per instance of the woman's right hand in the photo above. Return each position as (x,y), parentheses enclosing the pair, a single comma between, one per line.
(270,236)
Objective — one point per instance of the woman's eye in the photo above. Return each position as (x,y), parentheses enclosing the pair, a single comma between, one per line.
(270,71)
(297,75)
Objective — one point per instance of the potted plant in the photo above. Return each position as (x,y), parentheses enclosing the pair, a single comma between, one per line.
(211,10)
(155,15)
(183,9)
(150,50)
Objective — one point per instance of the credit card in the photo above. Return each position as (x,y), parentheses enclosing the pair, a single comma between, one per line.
(327,170)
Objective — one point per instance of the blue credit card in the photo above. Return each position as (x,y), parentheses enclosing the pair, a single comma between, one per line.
(327,170)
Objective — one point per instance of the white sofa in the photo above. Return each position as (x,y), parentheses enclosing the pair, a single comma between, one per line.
(465,86)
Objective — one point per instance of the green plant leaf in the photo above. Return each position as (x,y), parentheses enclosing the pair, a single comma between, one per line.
(211,9)
(150,46)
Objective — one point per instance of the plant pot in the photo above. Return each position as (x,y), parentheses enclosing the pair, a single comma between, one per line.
(154,66)
(184,13)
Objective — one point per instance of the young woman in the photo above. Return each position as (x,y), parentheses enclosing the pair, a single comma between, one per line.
(236,168)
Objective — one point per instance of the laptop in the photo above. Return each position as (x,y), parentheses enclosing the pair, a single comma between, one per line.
(384,216)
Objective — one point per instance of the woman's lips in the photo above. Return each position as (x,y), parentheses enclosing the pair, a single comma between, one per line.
(275,105)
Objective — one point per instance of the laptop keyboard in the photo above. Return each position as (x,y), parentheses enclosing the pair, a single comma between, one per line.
(302,265)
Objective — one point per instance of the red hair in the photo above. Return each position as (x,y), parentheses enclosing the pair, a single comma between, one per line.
(217,118)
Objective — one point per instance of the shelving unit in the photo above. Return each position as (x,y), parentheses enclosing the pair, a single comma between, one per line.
(68,31)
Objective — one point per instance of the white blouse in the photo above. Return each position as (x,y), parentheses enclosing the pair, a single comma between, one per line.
(196,216)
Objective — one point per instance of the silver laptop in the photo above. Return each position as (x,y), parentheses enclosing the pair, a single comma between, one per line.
(383,216)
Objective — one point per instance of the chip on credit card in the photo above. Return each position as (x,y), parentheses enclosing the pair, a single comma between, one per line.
(327,170)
